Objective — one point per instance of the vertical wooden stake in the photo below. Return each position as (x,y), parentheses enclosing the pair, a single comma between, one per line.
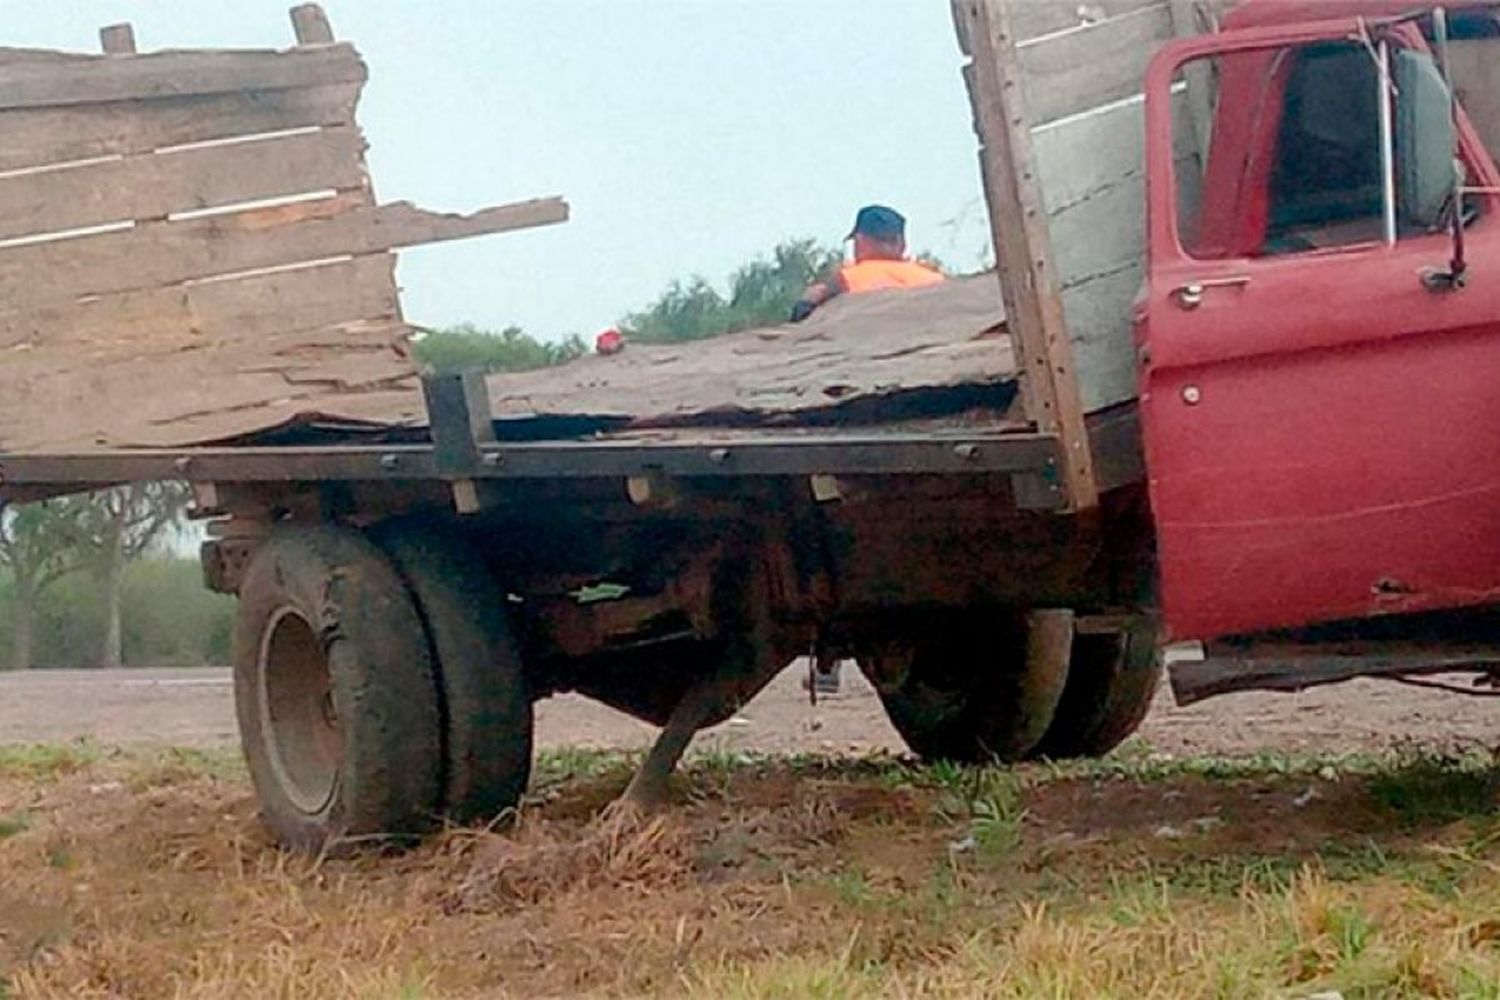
(117,39)
(311,25)
(1023,245)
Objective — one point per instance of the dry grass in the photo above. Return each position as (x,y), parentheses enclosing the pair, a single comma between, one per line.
(145,874)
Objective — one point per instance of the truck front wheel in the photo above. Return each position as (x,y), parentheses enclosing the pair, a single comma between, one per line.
(335,692)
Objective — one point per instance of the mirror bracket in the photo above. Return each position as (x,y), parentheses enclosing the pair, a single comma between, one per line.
(1440,280)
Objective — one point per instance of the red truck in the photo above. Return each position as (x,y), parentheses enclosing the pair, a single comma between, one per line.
(1282,436)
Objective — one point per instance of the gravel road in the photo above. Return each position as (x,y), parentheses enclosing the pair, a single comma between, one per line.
(194,707)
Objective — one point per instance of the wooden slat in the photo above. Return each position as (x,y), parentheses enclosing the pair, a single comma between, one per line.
(45,273)
(117,39)
(1032,18)
(1100,323)
(1092,171)
(155,185)
(310,25)
(38,136)
(32,82)
(1077,70)
(250,308)
(1018,223)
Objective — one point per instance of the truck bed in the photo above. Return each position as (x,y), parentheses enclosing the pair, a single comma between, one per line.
(199,283)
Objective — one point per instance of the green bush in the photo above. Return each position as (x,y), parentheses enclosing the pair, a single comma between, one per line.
(467,348)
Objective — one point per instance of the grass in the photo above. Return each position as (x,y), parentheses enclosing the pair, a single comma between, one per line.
(1375,875)
(47,761)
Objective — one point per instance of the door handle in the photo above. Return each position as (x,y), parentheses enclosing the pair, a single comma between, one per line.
(1190,295)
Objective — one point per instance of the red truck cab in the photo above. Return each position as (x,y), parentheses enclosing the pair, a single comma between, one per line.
(1320,399)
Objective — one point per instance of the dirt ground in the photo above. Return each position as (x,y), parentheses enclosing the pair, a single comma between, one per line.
(145,874)
(195,708)
(1248,847)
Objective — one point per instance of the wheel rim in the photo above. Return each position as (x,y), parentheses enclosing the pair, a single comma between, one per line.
(299,721)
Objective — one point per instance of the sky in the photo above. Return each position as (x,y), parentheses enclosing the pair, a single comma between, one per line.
(688,135)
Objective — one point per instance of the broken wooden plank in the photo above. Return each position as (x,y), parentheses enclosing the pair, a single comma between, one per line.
(155,185)
(1071,72)
(44,273)
(248,308)
(39,136)
(29,81)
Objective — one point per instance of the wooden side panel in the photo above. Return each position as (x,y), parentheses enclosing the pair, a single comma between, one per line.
(155,185)
(1105,61)
(190,249)
(1082,70)
(1092,171)
(1476,75)
(38,136)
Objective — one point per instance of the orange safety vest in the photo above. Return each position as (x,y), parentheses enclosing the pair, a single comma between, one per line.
(875,275)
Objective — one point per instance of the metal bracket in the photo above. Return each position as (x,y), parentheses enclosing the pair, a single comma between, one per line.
(458,416)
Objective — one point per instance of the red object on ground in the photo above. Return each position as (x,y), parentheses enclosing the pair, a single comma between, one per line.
(609,342)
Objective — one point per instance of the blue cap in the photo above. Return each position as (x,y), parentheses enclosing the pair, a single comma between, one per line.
(879,222)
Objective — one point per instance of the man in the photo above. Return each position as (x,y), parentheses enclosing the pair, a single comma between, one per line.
(879,236)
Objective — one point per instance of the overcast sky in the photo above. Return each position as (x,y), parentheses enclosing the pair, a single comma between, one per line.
(689,135)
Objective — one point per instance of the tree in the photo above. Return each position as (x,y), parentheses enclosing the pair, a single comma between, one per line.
(761,293)
(39,545)
(467,347)
(119,526)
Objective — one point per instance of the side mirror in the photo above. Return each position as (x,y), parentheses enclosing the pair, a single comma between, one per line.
(1426,140)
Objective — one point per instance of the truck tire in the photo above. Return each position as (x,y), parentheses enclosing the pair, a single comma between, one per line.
(965,696)
(1111,682)
(335,693)
(487,717)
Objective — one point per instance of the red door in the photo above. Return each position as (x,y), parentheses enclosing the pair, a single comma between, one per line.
(1322,431)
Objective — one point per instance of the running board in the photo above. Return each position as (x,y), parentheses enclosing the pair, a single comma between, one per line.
(1195,680)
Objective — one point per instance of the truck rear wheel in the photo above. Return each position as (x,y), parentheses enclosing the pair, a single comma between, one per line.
(487,717)
(1112,680)
(334,689)
(966,696)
